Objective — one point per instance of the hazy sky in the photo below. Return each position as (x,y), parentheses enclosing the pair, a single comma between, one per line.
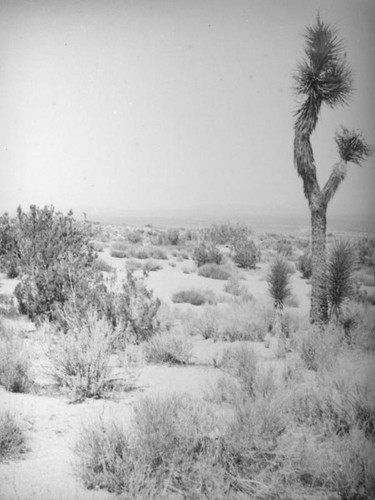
(168,104)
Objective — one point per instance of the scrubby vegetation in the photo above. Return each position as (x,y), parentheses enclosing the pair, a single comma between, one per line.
(260,426)
(15,364)
(214,271)
(194,297)
(12,436)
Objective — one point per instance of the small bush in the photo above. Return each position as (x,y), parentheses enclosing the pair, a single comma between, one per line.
(207,253)
(284,248)
(102,266)
(80,357)
(245,253)
(214,271)
(98,246)
(133,265)
(194,297)
(12,437)
(151,265)
(170,348)
(15,364)
(317,347)
(278,281)
(304,265)
(8,306)
(173,236)
(118,254)
(135,237)
(158,254)
(170,449)
(234,287)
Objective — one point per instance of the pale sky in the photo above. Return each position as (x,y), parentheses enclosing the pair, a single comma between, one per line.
(170,104)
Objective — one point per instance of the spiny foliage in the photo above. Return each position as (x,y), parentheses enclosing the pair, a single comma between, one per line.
(324,75)
(352,146)
(278,281)
(339,276)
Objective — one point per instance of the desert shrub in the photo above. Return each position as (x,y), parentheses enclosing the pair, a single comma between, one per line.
(317,347)
(364,277)
(133,265)
(43,236)
(194,297)
(132,310)
(171,448)
(151,265)
(8,306)
(284,247)
(245,253)
(206,252)
(339,276)
(337,467)
(15,363)
(291,301)
(98,246)
(158,254)
(357,321)
(365,250)
(173,236)
(226,234)
(304,265)
(12,436)
(170,348)
(119,254)
(241,363)
(80,357)
(234,322)
(51,252)
(278,281)
(135,237)
(102,266)
(234,287)
(214,271)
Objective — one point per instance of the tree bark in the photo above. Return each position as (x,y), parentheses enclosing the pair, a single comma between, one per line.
(319,303)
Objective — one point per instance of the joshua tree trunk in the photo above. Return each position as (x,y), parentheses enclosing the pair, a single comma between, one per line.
(319,303)
(323,77)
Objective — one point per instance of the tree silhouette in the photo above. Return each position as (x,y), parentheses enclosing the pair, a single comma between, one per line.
(323,77)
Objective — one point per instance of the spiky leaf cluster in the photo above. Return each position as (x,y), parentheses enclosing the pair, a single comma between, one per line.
(324,75)
(339,275)
(352,146)
(278,281)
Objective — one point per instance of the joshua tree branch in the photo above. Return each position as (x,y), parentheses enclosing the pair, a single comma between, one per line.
(305,164)
(338,174)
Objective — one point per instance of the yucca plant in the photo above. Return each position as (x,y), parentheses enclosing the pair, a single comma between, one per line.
(323,77)
(278,281)
(339,276)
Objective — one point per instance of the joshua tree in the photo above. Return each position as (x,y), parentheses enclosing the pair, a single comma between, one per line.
(322,77)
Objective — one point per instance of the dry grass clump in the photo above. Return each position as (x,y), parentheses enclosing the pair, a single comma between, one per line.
(235,321)
(234,287)
(170,348)
(119,249)
(101,265)
(317,347)
(80,357)
(12,437)
(15,364)
(151,265)
(214,271)
(170,451)
(194,297)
